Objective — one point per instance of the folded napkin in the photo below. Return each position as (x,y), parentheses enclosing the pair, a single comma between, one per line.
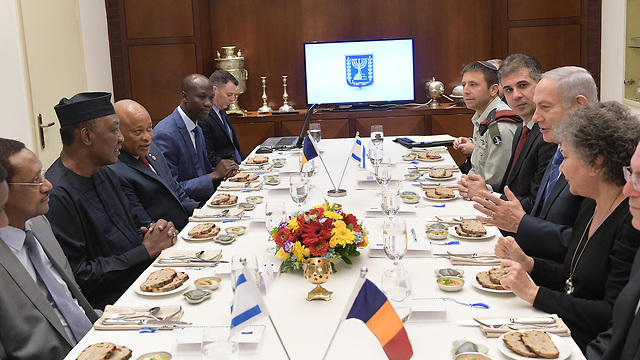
(239,186)
(208,215)
(370,183)
(561,328)
(466,260)
(377,212)
(111,310)
(414,250)
(167,253)
(256,168)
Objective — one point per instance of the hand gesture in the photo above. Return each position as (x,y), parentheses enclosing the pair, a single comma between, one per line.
(471,185)
(514,278)
(508,248)
(506,215)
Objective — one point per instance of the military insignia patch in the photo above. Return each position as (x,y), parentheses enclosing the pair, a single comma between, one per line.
(497,140)
(359,70)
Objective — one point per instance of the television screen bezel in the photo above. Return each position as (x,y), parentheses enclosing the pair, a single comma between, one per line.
(382,102)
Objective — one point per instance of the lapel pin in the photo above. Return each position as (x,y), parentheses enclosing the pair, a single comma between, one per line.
(152,157)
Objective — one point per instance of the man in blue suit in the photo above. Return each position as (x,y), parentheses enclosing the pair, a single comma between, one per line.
(143,172)
(182,143)
(545,232)
(219,135)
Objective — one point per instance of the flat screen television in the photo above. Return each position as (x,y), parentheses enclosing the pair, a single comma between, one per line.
(359,72)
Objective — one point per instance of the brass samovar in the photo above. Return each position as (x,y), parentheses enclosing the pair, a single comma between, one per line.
(235,65)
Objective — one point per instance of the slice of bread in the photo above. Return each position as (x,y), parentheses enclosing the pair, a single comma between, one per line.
(439,193)
(473,228)
(99,351)
(180,279)
(258,159)
(540,343)
(158,279)
(121,353)
(204,230)
(496,274)
(441,173)
(224,199)
(514,342)
(483,279)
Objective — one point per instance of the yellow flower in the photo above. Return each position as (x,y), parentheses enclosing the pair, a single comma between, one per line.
(283,254)
(332,215)
(300,251)
(293,224)
(340,234)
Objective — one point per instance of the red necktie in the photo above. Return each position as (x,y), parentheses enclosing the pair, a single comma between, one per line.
(523,138)
(143,160)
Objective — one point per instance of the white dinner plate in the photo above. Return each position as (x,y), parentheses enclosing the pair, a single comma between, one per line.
(563,347)
(181,288)
(424,195)
(480,287)
(185,233)
(491,232)
(440,179)
(265,163)
(430,160)
(221,206)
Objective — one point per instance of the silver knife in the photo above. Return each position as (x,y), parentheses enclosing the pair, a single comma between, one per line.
(111,321)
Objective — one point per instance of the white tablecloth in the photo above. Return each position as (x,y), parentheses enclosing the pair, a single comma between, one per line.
(306,327)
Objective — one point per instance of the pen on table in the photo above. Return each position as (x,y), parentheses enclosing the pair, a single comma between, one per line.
(413,232)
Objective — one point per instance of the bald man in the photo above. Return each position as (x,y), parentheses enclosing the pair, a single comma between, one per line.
(143,172)
(181,141)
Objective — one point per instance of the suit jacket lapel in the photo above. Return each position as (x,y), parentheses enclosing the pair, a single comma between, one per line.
(29,287)
(557,189)
(188,144)
(221,126)
(535,132)
(543,185)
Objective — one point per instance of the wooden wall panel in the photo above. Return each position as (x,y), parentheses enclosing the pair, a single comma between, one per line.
(334,128)
(454,125)
(158,18)
(561,45)
(543,9)
(393,126)
(246,133)
(156,74)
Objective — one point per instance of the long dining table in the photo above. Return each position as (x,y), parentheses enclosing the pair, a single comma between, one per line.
(306,327)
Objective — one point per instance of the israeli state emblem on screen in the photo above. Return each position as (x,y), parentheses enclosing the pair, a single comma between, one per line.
(359,70)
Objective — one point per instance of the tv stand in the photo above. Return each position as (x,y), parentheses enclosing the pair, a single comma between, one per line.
(360,107)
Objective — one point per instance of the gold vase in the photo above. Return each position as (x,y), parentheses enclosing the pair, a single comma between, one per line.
(235,65)
(318,271)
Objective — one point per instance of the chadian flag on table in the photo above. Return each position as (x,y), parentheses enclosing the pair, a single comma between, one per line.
(308,151)
(373,308)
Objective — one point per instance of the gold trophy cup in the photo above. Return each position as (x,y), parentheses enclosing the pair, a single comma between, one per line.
(318,271)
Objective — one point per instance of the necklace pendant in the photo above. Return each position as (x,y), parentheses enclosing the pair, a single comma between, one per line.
(568,286)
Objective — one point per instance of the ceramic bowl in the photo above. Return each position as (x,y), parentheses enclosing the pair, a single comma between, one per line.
(197,296)
(247,206)
(472,356)
(158,355)
(450,283)
(225,239)
(437,234)
(437,226)
(207,283)
(409,157)
(449,272)
(411,199)
(236,230)
(411,177)
(254,199)
(408,193)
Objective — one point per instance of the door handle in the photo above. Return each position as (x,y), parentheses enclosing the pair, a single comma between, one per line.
(41,127)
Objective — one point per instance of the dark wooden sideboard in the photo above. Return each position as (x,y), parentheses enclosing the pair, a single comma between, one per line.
(253,129)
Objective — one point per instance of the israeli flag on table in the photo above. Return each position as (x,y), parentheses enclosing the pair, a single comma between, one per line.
(248,305)
(308,151)
(359,153)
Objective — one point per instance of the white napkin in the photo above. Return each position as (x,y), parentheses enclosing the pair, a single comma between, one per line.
(239,186)
(233,214)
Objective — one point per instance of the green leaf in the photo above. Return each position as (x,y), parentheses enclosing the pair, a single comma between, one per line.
(347,260)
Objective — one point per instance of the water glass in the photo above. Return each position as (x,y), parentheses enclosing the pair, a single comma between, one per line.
(383,174)
(298,189)
(395,239)
(390,202)
(376,153)
(308,169)
(237,265)
(274,213)
(396,285)
(217,345)
(315,131)
(377,134)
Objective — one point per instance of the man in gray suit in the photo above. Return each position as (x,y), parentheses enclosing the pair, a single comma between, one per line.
(44,312)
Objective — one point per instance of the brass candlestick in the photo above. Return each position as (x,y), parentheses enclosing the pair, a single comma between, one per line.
(264,108)
(285,107)
(318,271)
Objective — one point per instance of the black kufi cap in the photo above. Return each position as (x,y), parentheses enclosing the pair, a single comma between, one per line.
(84,106)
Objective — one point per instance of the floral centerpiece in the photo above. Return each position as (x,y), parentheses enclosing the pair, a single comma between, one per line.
(324,231)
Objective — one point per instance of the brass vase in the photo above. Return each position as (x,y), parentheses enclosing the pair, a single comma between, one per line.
(235,65)
(318,271)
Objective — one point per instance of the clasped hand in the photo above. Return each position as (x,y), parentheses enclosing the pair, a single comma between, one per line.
(158,236)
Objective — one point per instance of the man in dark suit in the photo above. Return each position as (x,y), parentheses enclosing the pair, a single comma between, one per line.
(45,314)
(181,141)
(622,339)
(219,134)
(545,232)
(143,172)
(530,154)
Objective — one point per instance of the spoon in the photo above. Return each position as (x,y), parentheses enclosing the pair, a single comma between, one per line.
(149,313)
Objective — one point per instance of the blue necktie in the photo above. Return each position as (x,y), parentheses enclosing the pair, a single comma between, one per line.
(75,316)
(554,175)
(225,122)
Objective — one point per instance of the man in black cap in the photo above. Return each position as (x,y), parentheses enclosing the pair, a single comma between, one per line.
(89,214)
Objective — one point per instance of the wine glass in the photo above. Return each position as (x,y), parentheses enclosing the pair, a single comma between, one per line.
(390,202)
(396,285)
(375,153)
(274,214)
(377,134)
(395,239)
(315,131)
(299,190)
(383,174)
(308,169)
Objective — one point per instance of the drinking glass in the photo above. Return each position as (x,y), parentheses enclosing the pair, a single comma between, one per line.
(308,169)
(390,202)
(299,190)
(377,134)
(274,214)
(376,153)
(315,131)
(236,268)
(218,345)
(396,285)
(383,174)
(395,239)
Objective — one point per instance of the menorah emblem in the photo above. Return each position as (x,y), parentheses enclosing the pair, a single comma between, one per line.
(355,64)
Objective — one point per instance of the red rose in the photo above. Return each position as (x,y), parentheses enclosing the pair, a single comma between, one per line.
(350,219)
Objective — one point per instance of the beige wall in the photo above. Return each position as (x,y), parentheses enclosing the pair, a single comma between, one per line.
(15,95)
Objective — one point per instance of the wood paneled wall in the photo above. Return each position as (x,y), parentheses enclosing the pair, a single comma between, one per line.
(155,43)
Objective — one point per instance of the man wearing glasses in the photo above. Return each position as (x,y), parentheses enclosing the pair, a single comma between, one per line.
(46,312)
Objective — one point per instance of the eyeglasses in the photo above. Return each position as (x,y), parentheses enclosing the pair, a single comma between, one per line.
(38,181)
(629,174)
